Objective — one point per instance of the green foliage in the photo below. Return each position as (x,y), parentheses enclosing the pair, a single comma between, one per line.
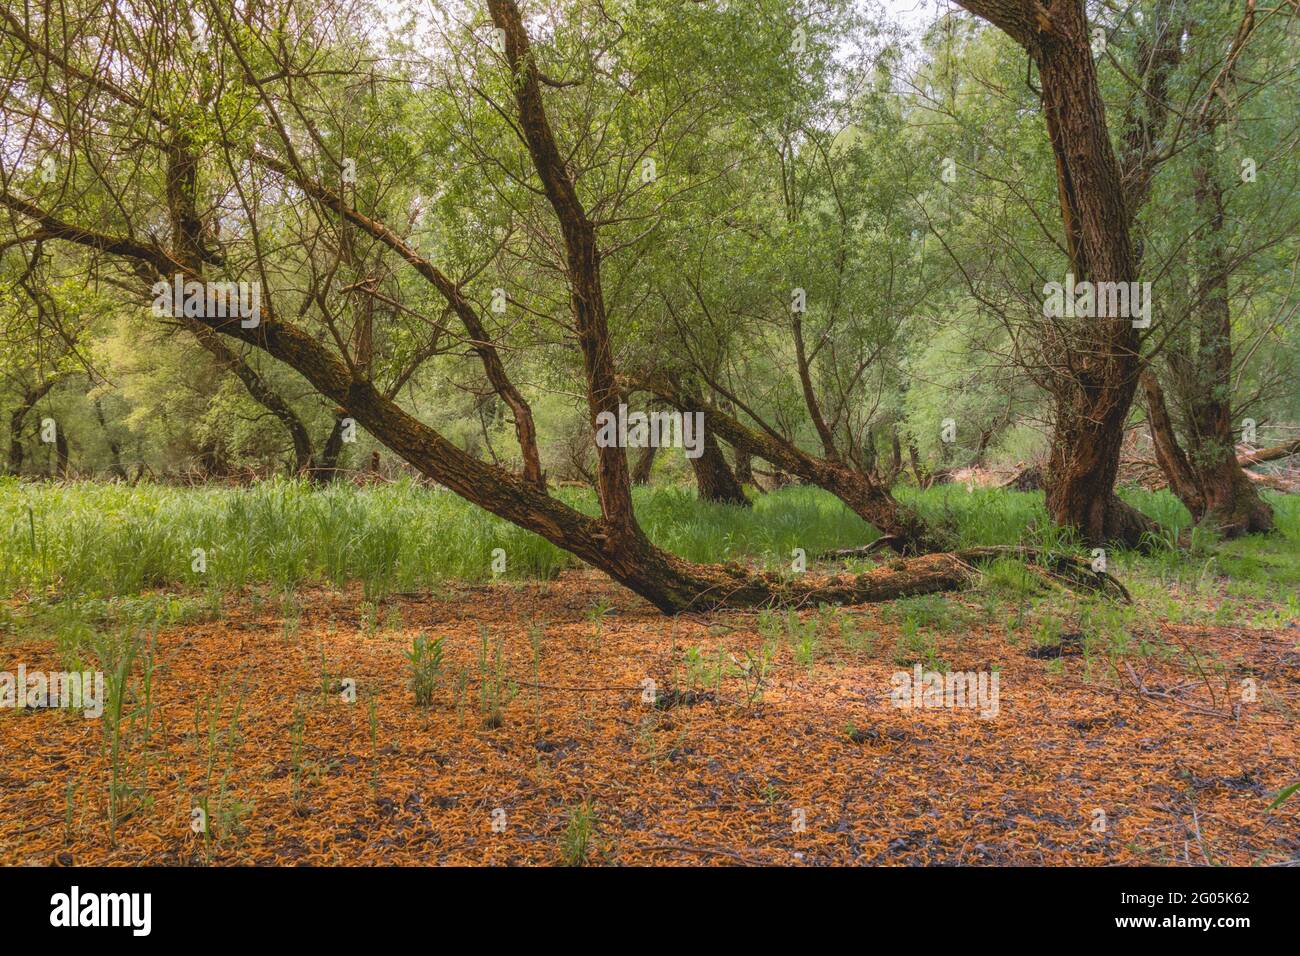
(425,658)
(579,834)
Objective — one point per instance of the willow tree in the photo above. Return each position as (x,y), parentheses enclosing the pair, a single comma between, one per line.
(1095,361)
(240,93)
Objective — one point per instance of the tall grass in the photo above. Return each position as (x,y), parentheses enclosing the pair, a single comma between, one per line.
(86,540)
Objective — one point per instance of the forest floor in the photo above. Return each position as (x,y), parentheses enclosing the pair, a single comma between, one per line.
(1121,735)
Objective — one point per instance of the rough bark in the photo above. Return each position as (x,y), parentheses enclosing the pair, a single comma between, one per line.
(1171,458)
(714,479)
(744,469)
(614,542)
(644,465)
(1232,503)
(1097,364)
(582,259)
(1208,479)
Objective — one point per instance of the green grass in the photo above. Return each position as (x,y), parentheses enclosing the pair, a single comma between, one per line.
(110,541)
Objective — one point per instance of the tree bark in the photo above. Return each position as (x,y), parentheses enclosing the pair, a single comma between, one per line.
(587,297)
(18,416)
(1210,481)
(614,542)
(325,469)
(1098,360)
(1262,455)
(644,465)
(713,476)
(1182,478)
(1232,505)
(744,469)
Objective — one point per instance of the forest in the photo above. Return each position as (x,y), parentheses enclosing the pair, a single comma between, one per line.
(649,432)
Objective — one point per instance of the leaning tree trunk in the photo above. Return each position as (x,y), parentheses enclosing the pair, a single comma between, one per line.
(1178,471)
(612,542)
(905,530)
(1274,453)
(713,476)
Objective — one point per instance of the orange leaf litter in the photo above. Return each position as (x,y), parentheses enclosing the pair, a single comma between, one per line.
(1076,768)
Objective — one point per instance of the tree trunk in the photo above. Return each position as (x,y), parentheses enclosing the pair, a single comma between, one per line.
(614,542)
(1232,504)
(1210,481)
(744,468)
(644,465)
(1093,399)
(62,468)
(1097,358)
(713,476)
(906,531)
(1259,456)
(18,416)
(114,449)
(1182,478)
(326,468)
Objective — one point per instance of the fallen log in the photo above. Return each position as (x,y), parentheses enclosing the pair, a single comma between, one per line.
(1064,568)
(1272,453)
(1027,479)
(1055,566)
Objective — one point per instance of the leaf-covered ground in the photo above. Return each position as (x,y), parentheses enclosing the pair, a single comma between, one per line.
(1120,737)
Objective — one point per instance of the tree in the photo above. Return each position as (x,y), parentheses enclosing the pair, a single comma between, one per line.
(112,243)
(1097,360)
